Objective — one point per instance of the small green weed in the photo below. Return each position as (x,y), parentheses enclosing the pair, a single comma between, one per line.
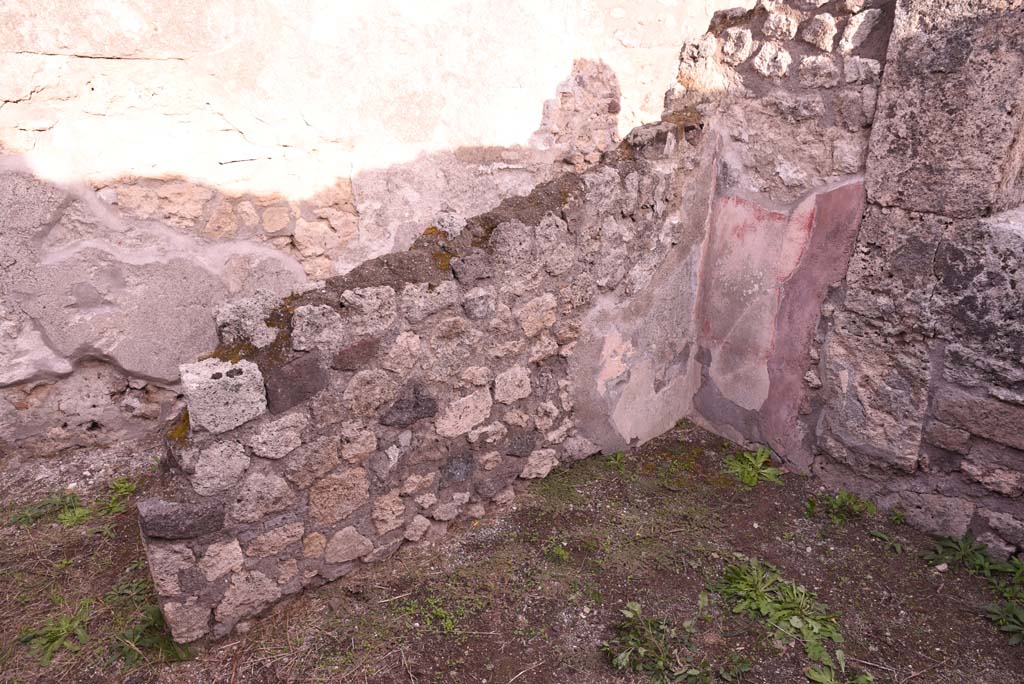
(118,494)
(149,634)
(757,589)
(889,542)
(53,505)
(556,552)
(655,648)
(966,552)
(1009,618)
(840,508)
(750,468)
(70,517)
(616,462)
(67,631)
(897,517)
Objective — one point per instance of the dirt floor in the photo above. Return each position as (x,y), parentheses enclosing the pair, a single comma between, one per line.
(533,593)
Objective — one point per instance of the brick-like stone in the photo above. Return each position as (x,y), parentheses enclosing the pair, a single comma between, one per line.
(947,437)
(988,418)
(950,112)
(222,395)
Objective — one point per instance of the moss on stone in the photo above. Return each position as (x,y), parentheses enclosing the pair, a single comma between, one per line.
(178,432)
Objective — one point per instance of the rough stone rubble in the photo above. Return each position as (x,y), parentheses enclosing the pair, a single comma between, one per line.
(810,250)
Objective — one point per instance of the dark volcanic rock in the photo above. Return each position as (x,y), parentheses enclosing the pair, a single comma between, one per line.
(294,382)
(414,404)
(169,520)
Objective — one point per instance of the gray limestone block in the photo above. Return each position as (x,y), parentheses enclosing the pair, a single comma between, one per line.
(222,395)
(950,114)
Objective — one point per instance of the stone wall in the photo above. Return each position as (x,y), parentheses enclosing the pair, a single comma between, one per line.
(325,432)
(921,356)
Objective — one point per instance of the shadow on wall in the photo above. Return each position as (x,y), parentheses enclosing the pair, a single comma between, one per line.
(121,281)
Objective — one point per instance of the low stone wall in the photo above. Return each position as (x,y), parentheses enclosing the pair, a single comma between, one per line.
(327,431)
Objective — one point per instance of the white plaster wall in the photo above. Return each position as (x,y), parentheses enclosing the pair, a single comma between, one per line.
(286,96)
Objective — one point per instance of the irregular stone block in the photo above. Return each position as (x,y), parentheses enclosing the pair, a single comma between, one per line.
(166,560)
(276,439)
(218,467)
(295,382)
(820,31)
(403,355)
(473,267)
(857,30)
(222,395)
(415,403)
(357,442)
(260,495)
(779,25)
(275,541)
(248,593)
(311,461)
(221,558)
(368,390)
(388,512)
(244,320)
(337,496)
(772,61)
(463,414)
(512,385)
(737,44)
(537,314)
(539,463)
(318,326)
(934,513)
(188,621)
(424,299)
(951,110)
(818,71)
(161,519)
(416,528)
(357,355)
(347,545)
(478,304)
